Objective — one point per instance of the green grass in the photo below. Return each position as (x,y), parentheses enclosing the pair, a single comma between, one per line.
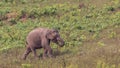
(89,28)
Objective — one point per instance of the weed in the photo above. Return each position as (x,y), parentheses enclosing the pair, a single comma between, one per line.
(26,66)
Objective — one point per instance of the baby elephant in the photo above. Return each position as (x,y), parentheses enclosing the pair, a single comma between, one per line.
(41,38)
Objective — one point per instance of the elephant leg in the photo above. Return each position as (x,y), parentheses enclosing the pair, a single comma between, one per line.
(45,53)
(49,52)
(28,50)
(34,52)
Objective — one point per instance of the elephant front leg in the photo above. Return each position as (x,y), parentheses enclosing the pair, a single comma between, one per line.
(47,48)
(50,52)
(45,54)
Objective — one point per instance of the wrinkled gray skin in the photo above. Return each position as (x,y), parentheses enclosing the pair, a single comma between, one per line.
(41,38)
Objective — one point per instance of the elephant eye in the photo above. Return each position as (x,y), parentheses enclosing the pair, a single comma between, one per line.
(55,32)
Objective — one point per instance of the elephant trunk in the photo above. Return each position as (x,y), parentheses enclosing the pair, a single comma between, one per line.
(61,43)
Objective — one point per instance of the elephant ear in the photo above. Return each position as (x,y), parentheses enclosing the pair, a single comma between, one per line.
(51,34)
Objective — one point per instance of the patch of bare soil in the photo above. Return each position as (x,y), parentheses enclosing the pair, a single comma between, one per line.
(11,15)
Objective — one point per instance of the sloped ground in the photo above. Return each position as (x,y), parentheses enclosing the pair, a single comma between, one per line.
(102,52)
(93,41)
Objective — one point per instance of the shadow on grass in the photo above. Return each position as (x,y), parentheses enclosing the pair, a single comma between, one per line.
(57,53)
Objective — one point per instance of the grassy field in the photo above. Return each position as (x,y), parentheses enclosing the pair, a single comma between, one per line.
(90,28)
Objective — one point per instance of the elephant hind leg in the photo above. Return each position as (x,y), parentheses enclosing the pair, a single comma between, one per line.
(34,52)
(28,50)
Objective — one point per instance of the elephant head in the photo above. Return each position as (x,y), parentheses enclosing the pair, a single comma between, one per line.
(54,36)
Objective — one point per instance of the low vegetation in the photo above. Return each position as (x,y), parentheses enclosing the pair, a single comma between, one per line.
(91,30)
